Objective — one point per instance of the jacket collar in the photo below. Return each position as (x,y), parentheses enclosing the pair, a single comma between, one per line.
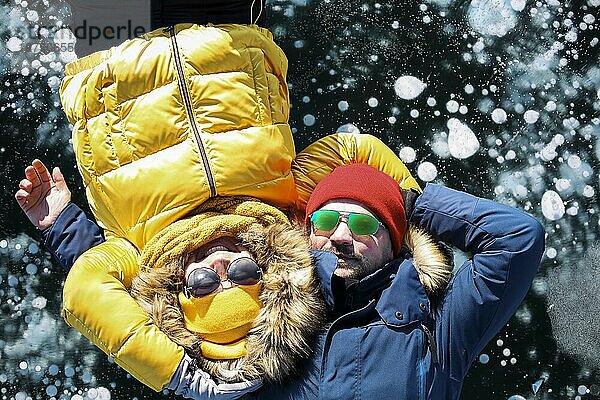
(405,300)
(401,287)
(396,285)
(325,263)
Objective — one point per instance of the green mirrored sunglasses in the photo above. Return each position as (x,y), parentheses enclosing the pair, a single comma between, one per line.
(324,222)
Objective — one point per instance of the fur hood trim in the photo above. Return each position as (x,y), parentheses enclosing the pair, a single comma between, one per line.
(432,260)
(293,310)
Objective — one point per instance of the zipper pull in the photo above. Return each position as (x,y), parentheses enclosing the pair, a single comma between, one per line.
(431,344)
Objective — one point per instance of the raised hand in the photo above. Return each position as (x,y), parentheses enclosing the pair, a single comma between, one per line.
(41,196)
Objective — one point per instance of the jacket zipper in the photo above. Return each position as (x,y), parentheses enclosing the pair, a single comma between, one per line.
(188,105)
(431,344)
(421,369)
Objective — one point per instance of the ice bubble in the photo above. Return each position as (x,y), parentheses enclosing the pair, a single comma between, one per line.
(69,372)
(3,243)
(33,247)
(531,116)
(551,252)
(431,102)
(582,389)
(14,44)
(306,99)
(478,47)
(518,5)
(13,281)
(588,191)
(571,123)
(407,155)
(21,396)
(571,36)
(39,302)
(550,106)
(515,396)
(574,161)
(23,365)
(343,105)
(309,120)
(589,19)
(499,116)
(491,17)
(103,393)
(53,369)
(392,120)
(32,15)
(439,145)
(506,352)
(427,171)
(484,358)
(553,207)
(562,184)
(469,89)
(452,106)
(31,269)
(414,113)
(373,102)
(51,390)
(408,87)
(351,128)
(54,82)
(462,142)
(558,139)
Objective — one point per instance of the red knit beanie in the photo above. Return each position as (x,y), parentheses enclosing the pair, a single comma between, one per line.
(374,189)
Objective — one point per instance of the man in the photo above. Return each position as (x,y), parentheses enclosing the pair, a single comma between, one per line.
(401,329)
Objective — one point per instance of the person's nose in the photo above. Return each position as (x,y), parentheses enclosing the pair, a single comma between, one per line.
(227,284)
(341,234)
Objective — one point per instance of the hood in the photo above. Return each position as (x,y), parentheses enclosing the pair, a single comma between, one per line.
(293,309)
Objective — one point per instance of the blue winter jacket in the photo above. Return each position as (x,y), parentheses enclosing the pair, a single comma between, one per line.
(394,345)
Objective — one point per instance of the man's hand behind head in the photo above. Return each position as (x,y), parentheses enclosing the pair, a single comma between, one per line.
(42,197)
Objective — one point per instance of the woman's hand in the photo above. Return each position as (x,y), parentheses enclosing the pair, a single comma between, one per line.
(42,197)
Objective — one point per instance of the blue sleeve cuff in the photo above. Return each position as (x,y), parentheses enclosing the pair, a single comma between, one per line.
(71,235)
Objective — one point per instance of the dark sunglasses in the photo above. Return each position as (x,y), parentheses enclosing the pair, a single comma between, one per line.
(204,281)
(324,222)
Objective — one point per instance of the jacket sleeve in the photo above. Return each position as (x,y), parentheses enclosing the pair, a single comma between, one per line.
(71,235)
(96,303)
(321,157)
(506,247)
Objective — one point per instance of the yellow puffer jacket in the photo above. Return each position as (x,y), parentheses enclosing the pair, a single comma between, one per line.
(114,321)
(164,121)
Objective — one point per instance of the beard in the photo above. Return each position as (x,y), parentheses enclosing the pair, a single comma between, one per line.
(350,264)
